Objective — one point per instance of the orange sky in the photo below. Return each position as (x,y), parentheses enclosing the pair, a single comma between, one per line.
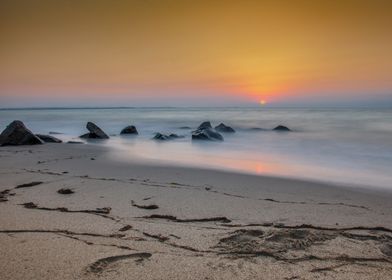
(148,52)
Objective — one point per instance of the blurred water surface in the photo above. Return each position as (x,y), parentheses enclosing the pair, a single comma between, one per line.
(352,146)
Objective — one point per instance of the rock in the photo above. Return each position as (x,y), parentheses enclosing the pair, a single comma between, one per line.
(54,132)
(257,129)
(282,128)
(75,142)
(173,135)
(205,125)
(206,134)
(224,128)
(131,129)
(163,137)
(184,127)
(48,138)
(87,135)
(17,134)
(160,136)
(94,129)
(94,132)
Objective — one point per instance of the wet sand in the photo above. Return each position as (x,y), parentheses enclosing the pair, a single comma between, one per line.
(117,220)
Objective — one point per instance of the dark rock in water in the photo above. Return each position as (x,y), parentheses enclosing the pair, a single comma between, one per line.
(160,136)
(173,135)
(75,142)
(89,136)
(257,129)
(131,129)
(204,125)
(54,132)
(184,127)
(48,138)
(206,134)
(224,128)
(282,128)
(94,129)
(17,134)
(65,191)
(94,132)
(163,137)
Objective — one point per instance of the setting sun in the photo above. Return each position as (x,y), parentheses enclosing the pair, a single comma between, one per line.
(263,102)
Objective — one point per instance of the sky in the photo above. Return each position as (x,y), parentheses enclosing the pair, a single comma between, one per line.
(195,53)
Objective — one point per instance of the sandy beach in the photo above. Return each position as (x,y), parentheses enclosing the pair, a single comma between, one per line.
(124,220)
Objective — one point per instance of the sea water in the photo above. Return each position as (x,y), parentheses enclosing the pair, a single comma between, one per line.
(350,146)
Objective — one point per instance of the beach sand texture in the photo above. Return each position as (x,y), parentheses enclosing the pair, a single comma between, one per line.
(124,220)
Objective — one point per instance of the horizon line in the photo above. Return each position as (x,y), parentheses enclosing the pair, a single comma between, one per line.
(381,106)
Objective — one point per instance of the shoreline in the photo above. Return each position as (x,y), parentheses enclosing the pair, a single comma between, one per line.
(167,222)
(158,163)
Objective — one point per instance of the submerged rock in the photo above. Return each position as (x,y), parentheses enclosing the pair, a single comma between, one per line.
(16,133)
(282,128)
(88,135)
(206,132)
(204,125)
(75,142)
(94,132)
(48,138)
(131,129)
(257,129)
(164,137)
(224,128)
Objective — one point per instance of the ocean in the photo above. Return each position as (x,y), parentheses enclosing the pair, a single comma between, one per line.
(345,146)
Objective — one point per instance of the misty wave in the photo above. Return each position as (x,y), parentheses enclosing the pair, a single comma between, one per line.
(351,146)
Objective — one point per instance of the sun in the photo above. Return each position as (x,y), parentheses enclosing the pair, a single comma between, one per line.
(263,102)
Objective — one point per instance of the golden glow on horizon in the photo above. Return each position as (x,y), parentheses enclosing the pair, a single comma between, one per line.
(263,102)
(168,50)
